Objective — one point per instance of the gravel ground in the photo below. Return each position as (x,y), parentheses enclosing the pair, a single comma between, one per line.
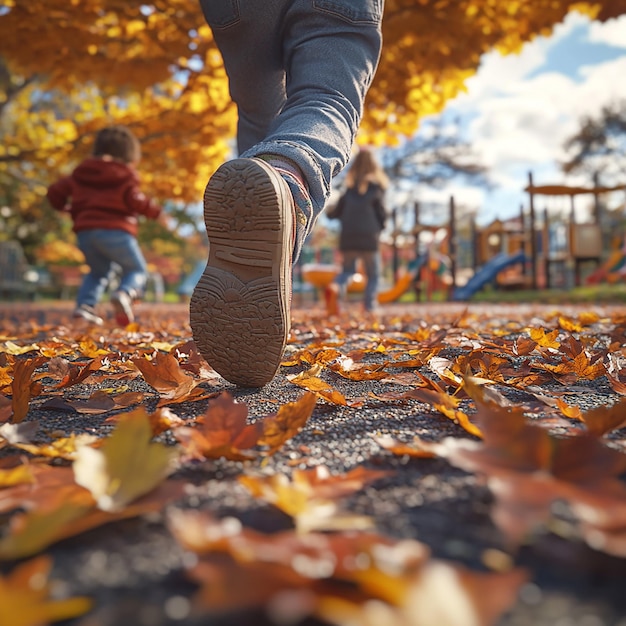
(134,570)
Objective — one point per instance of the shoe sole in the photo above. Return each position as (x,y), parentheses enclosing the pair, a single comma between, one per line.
(240,308)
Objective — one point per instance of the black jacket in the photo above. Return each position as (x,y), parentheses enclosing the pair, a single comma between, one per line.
(362,218)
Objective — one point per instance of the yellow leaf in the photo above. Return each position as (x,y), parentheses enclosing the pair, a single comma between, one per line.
(24,597)
(127,465)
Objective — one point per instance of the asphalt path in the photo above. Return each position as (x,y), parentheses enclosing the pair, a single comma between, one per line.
(134,569)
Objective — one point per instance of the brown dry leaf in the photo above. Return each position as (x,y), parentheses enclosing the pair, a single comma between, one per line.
(617,384)
(570,370)
(444,368)
(98,402)
(18,475)
(310,498)
(570,325)
(407,379)
(344,578)
(89,348)
(528,469)
(446,405)
(19,433)
(569,410)
(6,376)
(23,388)
(25,597)
(74,374)
(61,448)
(287,423)
(491,367)
(161,420)
(50,486)
(604,419)
(127,466)
(31,532)
(351,370)
(545,339)
(509,438)
(311,381)
(173,384)
(9,347)
(439,594)
(6,408)
(223,431)
(399,448)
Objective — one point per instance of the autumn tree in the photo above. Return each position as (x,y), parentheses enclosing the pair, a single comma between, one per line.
(434,156)
(598,148)
(71,67)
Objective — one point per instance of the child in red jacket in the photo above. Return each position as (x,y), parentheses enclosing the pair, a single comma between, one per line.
(103,197)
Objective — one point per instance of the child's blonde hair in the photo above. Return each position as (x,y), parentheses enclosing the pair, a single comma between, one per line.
(119,143)
(365,170)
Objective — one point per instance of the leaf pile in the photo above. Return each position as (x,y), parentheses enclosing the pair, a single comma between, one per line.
(105,425)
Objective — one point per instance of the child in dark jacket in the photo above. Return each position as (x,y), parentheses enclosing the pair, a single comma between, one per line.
(103,197)
(362,214)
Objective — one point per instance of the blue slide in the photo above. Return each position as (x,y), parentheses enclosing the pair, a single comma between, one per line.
(487,274)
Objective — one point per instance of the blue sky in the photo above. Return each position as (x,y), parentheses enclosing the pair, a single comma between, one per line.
(519,109)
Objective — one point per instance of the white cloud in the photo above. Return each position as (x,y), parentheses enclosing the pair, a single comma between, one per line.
(520,115)
(612,32)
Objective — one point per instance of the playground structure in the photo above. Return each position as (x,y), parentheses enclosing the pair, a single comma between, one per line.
(529,251)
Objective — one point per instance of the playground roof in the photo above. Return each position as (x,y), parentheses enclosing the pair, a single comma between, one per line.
(564,190)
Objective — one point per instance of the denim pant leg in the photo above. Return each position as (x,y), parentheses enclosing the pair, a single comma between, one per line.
(299,71)
(103,247)
(371,262)
(348,269)
(99,262)
(130,259)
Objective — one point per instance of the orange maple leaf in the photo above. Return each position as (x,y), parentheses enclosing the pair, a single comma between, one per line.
(165,374)
(222,431)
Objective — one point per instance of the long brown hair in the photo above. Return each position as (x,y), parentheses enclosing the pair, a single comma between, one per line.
(365,170)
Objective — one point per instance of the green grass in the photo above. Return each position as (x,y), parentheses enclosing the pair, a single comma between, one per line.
(588,294)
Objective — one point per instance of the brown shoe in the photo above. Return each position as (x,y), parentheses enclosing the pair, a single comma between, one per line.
(240,309)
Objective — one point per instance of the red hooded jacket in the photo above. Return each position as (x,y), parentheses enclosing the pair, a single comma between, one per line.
(102,194)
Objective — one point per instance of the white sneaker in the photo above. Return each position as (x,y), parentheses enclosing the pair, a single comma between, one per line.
(87,313)
(123,304)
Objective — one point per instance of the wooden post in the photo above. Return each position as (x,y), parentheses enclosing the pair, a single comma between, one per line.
(417,282)
(597,207)
(452,240)
(531,228)
(396,263)
(416,227)
(546,248)
(475,242)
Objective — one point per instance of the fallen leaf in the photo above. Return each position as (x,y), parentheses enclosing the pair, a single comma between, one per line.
(23,387)
(222,431)
(287,422)
(126,466)
(311,381)
(25,597)
(165,374)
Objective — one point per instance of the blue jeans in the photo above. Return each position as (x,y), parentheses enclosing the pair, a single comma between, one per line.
(102,249)
(371,266)
(299,71)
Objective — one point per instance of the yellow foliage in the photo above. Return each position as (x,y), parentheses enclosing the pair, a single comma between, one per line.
(155,67)
(59,252)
